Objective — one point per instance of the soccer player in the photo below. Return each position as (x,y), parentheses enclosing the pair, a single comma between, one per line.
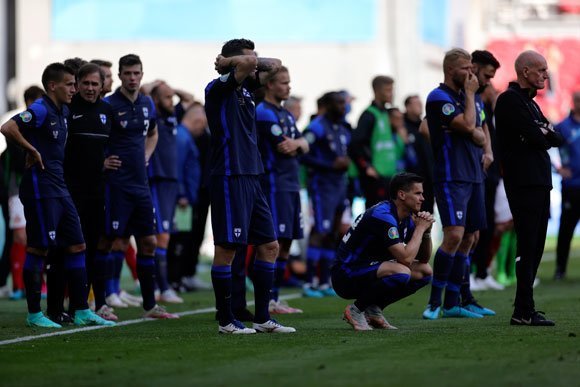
(162,172)
(457,136)
(327,162)
(128,206)
(384,255)
(570,172)
(239,210)
(105,66)
(89,129)
(52,219)
(280,144)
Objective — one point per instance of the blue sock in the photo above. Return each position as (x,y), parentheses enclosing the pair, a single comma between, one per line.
(279,277)
(411,288)
(312,257)
(146,274)
(442,265)
(326,262)
(454,282)
(76,272)
(32,274)
(466,295)
(221,278)
(263,281)
(102,274)
(380,289)
(161,267)
(114,283)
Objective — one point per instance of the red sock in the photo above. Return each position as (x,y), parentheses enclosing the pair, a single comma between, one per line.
(131,259)
(17,258)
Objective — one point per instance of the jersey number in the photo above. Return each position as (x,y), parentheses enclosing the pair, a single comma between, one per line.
(146,122)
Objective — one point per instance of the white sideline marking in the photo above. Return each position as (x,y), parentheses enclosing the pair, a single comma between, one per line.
(123,323)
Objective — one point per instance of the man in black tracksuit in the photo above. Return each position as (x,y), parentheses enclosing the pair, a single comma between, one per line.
(524,136)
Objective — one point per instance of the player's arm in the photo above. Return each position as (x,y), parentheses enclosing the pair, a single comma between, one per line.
(243,66)
(465,123)
(267,67)
(487,157)
(360,144)
(186,99)
(12,133)
(406,254)
(150,143)
(424,129)
(426,247)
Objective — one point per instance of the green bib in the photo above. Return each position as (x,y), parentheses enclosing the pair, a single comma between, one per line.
(386,148)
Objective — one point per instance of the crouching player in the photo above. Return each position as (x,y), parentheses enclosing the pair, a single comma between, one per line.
(384,255)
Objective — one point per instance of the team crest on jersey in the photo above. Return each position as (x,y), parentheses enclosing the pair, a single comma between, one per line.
(459,215)
(237,232)
(276,130)
(103,118)
(166,225)
(55,134)
(282,227)
(26,116)
(145,112)
(52,235)
(393,233)
(115,224)
(123,124)
(326,224)
(448,109)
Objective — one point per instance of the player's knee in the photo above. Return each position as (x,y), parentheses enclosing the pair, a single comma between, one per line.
(269,251)
(20,236)
(163,240)
(76,248)
(120,244)
(452,239)
(36,251)
(148,244)
(104,244)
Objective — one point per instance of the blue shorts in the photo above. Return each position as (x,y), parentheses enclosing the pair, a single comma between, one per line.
(286,214)
(461,204)
(128,213)
(239,211)
(164,196)
(350,281)
(52,222)
(327,204)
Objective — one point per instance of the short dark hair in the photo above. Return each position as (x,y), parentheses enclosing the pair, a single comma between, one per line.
(55,72)
(75,63)
(410,98)
(90,68)
(484,57)
(33,93)
(129,60)
(381,80)
(236,46)
(403,182)
(101,62)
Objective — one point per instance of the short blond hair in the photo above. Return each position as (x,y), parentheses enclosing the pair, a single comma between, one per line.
(453,55)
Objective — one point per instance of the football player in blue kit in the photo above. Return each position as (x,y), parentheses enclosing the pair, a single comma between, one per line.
(239,209)
(280,144)
(128,206)
(384,255)
(51,217)
(327,162)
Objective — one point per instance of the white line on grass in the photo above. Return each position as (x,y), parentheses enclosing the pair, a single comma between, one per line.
(123,323)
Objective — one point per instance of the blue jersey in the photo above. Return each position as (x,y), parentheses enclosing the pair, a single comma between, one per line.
(131,124)
(231,112)
(570,151)
(45,127)
(188,165)
(457,158)
(163,162)
(327,142)
(372,233)
(273,124)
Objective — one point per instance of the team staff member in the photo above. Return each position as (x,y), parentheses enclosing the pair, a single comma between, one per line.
(524,137)
(52,219)
(384,255)
(89,129)
(239,210)
(280,144)
(570,172)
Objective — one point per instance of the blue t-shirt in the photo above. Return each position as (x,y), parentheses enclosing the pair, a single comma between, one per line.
(131,124)
(457,158)
(372,233)
(273,124)
(163,162)
(231,115)
(570,151)
(45,127)
(327,141)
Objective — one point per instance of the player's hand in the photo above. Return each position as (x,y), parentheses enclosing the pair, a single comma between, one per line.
(33,157)
(341,163)
(486,160)
(565,172)
(288,146)
(471,84)
(423,220)
(220,63)
(372,172)
(112,163)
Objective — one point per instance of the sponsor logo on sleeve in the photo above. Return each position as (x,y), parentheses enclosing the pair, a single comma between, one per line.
(448,109)
(393,233)
(26,116)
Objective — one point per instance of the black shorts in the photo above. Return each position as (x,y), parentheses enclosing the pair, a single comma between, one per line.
(164,196)
(128,212)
